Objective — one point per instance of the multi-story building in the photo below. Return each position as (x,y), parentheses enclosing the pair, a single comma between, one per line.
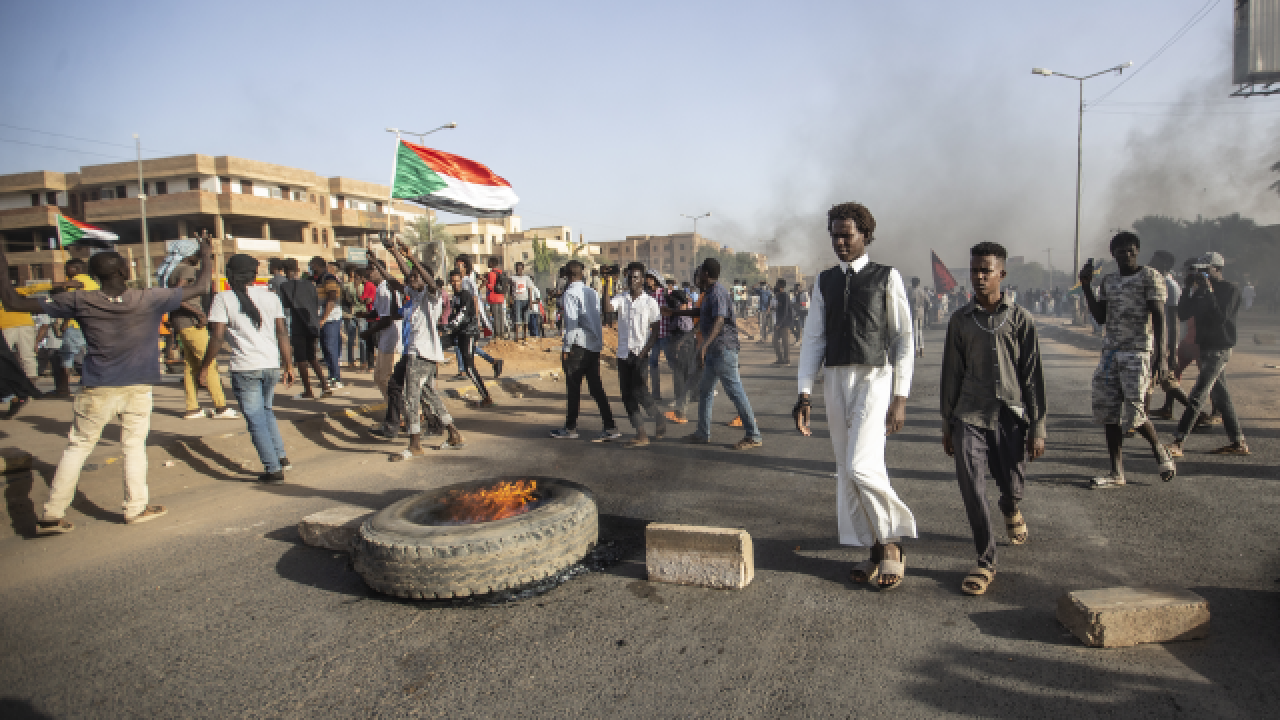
(790,273)
(251,207)
(675,255)
(484,238)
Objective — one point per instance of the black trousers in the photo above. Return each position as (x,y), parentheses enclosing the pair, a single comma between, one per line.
(582,364)
(632,375)
(467,345)
(395,398)
(781,341)
(1003,452)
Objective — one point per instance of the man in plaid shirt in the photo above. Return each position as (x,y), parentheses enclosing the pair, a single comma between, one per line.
(653,287)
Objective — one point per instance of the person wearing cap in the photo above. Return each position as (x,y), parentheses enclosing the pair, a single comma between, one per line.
(1214,303)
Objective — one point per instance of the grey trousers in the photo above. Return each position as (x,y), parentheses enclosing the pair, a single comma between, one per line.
(1002,452)
(420,386)
(681,358)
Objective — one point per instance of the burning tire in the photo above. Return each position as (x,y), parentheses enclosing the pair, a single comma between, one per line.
(417,548)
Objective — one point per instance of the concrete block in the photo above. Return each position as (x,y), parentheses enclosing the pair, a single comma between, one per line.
(14,461)
(1124,616)
(695,555)
(333,529)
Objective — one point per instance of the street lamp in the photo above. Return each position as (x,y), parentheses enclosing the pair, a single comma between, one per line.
(142,210)
(391,188)
(1118,69)
(693,244)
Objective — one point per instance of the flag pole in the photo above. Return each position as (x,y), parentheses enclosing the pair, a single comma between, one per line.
(391,186)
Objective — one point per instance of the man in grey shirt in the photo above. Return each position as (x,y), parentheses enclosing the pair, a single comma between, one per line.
(919,305)
(993,406)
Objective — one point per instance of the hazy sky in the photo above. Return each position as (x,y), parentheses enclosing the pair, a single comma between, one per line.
(616,119)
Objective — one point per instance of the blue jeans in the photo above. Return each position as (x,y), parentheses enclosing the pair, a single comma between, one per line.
(72,344)
(353,327)
(457,351)
(254,390)
(1211,384)
(331,346)
(723,365)
(520,313)
(658,350)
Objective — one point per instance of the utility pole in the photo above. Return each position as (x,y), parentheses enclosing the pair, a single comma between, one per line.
(142,204)
(1049,285)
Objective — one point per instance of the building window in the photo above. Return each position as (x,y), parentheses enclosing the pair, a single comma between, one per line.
(162,187)
(246,187)
(524,256)
(283,193)
(93,195)
(324,235)
(681,246)
(226,184)
(108,194)
(681,258)
(121,192)
(315,236)
(35,199)
(340,200)
(37,272)
(567,235)
(51,198)
(377,207)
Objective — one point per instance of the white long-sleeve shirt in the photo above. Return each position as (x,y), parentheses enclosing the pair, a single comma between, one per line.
(580,307)
(901,351)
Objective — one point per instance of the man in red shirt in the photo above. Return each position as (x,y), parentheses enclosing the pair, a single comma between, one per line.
(496,299)
(368,292)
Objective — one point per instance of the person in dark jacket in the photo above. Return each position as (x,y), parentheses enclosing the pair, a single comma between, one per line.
(464,327)
(1214,303)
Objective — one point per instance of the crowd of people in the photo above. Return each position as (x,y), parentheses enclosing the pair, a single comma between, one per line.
(859,327)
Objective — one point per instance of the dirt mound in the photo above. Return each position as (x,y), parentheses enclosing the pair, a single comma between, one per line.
(526,357)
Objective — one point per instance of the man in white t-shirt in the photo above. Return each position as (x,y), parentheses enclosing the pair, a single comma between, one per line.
(251,319)
(638,320)
(521,299)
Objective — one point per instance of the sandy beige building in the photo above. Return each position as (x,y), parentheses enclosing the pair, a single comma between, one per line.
(673,255)
(250,206)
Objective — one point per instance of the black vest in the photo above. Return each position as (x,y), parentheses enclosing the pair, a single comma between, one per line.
(857,315)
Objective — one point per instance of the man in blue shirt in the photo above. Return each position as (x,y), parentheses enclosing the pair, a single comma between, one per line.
(121,327)
(580,355)
(718,356)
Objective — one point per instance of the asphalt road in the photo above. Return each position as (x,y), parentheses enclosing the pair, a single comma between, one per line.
(218,611)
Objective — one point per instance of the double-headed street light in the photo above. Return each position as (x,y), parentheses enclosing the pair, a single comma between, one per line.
(695,218)
(391,187)
(1118,69)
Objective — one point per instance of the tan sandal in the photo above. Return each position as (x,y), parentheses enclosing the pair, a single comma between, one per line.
(870,570)
(977,581)
(896,568)
(1014,526)
(1232,449)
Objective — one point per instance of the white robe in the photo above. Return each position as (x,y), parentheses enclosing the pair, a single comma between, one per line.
(857,399)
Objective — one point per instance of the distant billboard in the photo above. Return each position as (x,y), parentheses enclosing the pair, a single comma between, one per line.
(1257,46)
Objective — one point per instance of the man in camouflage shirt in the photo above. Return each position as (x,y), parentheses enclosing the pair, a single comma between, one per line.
(1131,305)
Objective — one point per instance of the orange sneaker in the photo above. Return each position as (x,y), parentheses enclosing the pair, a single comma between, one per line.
(736,421)
(673,416)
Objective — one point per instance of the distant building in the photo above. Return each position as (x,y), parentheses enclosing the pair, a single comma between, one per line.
(248,206)
(675,255)
(790,273)
(484,238)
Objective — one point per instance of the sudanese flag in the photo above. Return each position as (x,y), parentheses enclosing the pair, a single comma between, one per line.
(450,183)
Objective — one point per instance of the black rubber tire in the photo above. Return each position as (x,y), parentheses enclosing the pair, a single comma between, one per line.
(397,555)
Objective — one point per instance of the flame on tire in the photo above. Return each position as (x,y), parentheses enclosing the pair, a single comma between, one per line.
(503,500)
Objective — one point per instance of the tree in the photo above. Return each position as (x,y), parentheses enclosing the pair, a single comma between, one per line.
(546,263)
(416,237)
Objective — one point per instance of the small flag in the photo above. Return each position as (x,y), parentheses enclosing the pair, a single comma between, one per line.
(451,183)
(72,231)
(942,280)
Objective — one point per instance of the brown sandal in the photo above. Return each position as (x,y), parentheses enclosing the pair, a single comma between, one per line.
(1014,527)
(977,581)
(1232,449)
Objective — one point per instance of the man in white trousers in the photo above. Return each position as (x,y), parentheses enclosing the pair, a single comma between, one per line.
(859,328)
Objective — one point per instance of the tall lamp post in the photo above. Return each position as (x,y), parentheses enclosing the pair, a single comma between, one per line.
(695,219)
(392,187)
(1118,69)
(142,204)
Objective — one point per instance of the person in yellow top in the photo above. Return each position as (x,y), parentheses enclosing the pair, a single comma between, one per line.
(72,338)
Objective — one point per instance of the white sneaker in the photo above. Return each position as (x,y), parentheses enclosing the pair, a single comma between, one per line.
(335,385)
(226,414)
(197,414)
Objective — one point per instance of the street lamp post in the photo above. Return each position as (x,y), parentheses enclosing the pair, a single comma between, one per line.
(693,249)
(1119,69)
(392,187)
(1049,285)
(142,204)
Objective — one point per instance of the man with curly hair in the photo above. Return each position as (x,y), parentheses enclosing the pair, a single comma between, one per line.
(859,334)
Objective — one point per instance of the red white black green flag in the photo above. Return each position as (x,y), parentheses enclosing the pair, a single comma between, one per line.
(450,183)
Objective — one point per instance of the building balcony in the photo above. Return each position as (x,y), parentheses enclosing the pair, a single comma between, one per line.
(29,217)
(203,203)
(348,218)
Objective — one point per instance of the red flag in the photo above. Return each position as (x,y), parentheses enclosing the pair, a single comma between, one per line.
(942,280)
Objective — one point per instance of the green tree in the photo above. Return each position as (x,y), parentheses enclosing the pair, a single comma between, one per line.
(416,237)
(546,263)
